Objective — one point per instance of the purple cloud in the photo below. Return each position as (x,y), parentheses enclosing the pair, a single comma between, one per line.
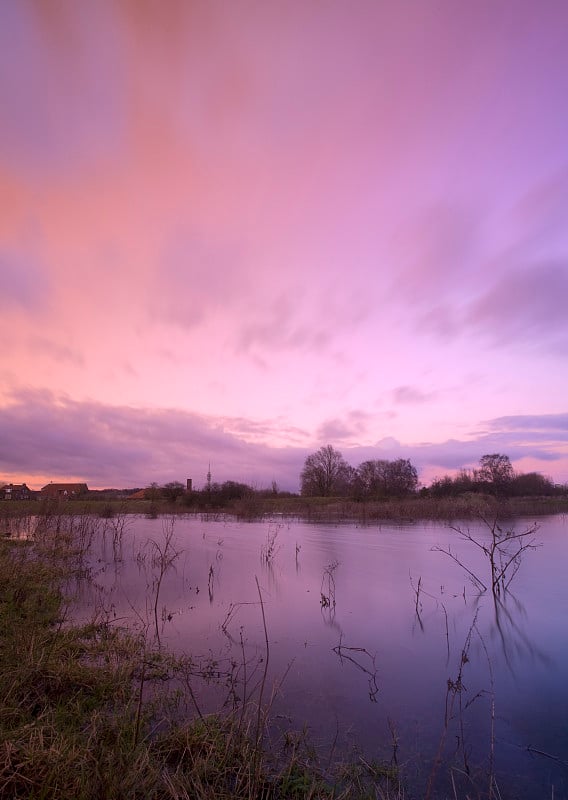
(44,435)
(354,424)
(532,422)
(410,395)
(107,445)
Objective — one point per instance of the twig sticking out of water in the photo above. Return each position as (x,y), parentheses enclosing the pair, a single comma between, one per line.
(163,557)
(270,548)
(327,591)
(418,590)
(265,673)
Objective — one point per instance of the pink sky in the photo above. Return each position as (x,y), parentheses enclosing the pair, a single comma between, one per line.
(234,232)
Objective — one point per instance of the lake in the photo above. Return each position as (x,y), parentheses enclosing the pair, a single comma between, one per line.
(379,643)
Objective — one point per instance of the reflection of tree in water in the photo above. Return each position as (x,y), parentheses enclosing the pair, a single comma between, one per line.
(508,620)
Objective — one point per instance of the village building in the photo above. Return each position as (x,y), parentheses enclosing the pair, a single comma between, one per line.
(15,491)
(64,490)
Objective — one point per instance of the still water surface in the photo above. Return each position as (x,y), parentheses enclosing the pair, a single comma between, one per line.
(407,662)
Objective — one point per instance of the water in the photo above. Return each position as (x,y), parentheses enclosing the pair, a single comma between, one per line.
(374,663)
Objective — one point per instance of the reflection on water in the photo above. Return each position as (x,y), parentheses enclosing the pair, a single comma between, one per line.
(375,638)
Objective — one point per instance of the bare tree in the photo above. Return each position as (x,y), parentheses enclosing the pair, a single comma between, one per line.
(376,478)
(503,549)
(325,473)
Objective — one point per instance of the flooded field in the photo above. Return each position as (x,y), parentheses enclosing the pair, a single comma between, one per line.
(378,642)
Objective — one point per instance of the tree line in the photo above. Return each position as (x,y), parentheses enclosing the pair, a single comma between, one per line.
(327,474)
(495,475)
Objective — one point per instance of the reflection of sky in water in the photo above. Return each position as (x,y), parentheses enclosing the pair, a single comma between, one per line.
(521,645)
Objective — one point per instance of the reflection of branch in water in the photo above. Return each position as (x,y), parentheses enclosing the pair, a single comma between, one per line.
(418,607)
(531,749)
(327,593)
(454,691)
(231,614)
(417,603)
(343,653)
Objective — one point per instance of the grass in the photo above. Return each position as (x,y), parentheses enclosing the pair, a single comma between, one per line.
(314,509)
(89,711)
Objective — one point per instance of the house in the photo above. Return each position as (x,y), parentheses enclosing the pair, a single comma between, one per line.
(15,491)
(64,490)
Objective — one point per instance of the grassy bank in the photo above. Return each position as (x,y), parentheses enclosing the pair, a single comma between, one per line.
(96,711)
(315,509)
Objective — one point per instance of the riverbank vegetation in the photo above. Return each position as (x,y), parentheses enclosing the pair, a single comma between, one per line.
(331,490)
(253,505)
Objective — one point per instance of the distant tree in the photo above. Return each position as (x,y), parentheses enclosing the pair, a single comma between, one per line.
(495,469)
(372,478)
(464,481)
(402,477)
(232,490)
(442,487)
(532,483)
(171,491)
(325,473)
(379,478)
(152,492)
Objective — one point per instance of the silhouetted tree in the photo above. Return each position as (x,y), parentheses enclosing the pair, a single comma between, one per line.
(325,473)
(372,478)
(171,491)
(379,478)
(497,470)
(532,483)
(402,477)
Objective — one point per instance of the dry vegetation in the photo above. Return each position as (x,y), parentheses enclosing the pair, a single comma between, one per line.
(316,509)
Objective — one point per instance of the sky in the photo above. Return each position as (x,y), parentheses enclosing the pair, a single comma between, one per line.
(233,232)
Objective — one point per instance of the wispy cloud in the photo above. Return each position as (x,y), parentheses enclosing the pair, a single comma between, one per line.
(527,304)
(349,428)
(51,126)
(23,281)
(411,395)
(59,353)
(531,423)
(193,284)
